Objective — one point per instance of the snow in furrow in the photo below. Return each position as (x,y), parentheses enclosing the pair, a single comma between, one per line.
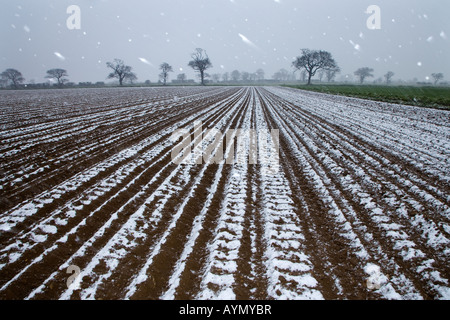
(62,129)
(330,195)
(400,239)
(29,208)
(390,127)
(73,231)
(108,253)
(288,266)
(430,231)
(9,219)
(380,171)
(61,217)
(166,189)
(218,277)
(110,118)
(129,235)
(393,170)
(108,182)
(142,274)
(197,226)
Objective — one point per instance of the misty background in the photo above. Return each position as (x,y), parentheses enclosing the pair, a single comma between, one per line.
(243,35)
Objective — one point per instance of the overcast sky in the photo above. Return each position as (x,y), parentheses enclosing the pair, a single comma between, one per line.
(246,35)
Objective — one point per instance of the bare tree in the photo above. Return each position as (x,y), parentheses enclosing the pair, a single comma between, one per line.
(313,61)
(235,75)
(132,77)
(260,74)
(165,69)
(225,77)
(12,76)
(200,62)
(216,77)
(331,73)
(281,75)
(363,73)
(181,77)
(321,74)
(291,76)
(58,74)
(388,76)
(120,71)
(245,76)
(303,75)
(437,77)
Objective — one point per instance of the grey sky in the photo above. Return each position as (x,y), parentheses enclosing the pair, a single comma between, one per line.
(413,40)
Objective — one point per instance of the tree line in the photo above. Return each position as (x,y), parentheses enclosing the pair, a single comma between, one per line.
(309,64)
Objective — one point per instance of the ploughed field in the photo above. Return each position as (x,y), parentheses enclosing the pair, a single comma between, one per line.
(354,205)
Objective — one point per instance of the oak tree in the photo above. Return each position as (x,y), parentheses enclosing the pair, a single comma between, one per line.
(200,62)
(314,60)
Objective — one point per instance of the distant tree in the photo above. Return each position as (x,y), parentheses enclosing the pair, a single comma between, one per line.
(59,75)
(291,76)
(85,84)
(378,80)
(388,76)
(12,76)
(277,76)
(181,77)
(132,77)
(245,76)
(303,75)
(331,73)
(226,77)
(216,77)
(313,61)
(121,71)
(437,77)
(165,69)
(200,62)
(321,73)
(3,82)
(235,75)
(363,73)
(260,74)
(281,75)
